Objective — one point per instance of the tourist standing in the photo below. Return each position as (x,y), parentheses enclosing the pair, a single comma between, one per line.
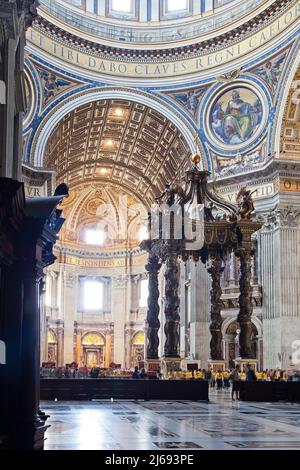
(235,377)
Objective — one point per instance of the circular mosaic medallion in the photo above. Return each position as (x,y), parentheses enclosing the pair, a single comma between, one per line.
(235,116)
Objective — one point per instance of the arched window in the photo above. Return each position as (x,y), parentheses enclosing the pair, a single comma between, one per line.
(92,295)
(121,5)
(172,9)
(94,236)
(123,9)
(176,5)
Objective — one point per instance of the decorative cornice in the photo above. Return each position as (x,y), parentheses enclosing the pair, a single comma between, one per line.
(101,254)
(228,39)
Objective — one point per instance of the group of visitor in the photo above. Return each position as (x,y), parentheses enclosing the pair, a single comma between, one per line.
(70,371)
(218,379)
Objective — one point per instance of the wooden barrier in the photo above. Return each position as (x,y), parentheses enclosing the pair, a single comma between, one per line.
(127,389)
(270,391)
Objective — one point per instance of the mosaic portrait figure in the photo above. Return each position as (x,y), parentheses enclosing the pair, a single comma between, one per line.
(236,116)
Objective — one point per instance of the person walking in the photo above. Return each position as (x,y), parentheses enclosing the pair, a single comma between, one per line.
(219,380)
(235,377)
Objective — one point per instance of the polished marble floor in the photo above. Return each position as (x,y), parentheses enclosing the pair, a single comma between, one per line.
(129,425)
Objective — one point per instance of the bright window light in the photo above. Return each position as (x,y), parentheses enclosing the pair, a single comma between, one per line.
(121,5)
(92,295)
(143,293)
(143,233)
(177,5)
(94,237)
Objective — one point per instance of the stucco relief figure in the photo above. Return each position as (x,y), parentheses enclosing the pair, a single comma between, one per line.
(270,71)
(236,116)
(190,99)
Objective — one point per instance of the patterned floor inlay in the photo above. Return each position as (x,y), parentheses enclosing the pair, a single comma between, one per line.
(131,425)
(266,444)
(177,445)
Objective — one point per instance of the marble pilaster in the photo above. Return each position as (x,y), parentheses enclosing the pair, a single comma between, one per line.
(69,306)
(119,309)
(279,271)
(200,313)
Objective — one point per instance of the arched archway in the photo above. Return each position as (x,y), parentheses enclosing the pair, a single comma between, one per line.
(138,349)
(285,111)
(93,344)
(230,331)
(290,124)
(51,347)
(52,119)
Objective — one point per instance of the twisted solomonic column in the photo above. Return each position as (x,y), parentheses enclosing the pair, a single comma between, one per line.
(172,317)
(245,303)
(152,322)
(216,269)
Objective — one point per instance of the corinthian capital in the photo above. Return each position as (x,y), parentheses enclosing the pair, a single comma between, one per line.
(283,217)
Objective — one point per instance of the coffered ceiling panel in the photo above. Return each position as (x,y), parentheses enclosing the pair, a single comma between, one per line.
(118,141)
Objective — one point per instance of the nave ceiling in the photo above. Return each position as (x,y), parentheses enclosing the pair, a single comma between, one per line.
(110,149)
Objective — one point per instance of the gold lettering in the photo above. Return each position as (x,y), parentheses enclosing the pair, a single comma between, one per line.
(138,69)
(262,38)
(230,53)
(168,69)
(199,64)
(122,68)
(287,184)
(219,57)
(288,17)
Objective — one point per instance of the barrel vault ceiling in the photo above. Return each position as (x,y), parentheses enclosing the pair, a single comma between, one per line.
(120,143)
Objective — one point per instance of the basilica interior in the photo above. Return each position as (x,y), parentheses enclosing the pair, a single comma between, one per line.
(109,110)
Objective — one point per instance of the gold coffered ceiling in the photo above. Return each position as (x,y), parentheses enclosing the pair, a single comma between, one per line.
(119,142)
(290,130)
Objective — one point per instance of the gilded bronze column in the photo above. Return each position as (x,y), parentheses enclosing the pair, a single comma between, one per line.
(245,304)
(172,317)
(152,322)
(216,269)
